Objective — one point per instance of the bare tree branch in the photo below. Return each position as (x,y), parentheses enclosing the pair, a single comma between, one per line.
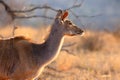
(75,1)
(34,8)
(46,7)
(13,14)
(74,14)
(14,28)
(8,9)
(75,5)
(77,17)
(33,16)
(86,16)
(45,13)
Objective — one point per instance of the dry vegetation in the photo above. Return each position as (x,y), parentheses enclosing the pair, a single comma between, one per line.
(116,33)
(95,56)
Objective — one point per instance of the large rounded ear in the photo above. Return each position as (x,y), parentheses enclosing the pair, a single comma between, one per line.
(65,14)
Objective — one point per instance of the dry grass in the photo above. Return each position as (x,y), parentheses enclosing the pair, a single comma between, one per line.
(116,33)
(92,43)
(94,57)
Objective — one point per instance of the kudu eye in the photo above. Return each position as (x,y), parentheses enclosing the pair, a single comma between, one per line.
(70,23)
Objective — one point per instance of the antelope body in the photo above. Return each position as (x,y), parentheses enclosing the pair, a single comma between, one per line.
(24,60)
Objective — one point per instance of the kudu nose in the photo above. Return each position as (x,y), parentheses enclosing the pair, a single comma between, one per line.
(79,31)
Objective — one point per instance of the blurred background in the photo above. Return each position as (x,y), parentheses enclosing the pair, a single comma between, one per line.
(99,14)
(93,56)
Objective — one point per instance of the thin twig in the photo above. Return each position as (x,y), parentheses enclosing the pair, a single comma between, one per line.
(86,16)
(34,8)
(14,28)
(33,16)
(75,6)
(45,14)
(8,9)
(77,17)
(75,1)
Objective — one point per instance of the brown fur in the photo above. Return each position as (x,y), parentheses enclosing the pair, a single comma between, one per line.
(17,61)
(7,53)
(9,57)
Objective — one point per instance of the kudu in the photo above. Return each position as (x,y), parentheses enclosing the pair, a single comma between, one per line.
(21,59)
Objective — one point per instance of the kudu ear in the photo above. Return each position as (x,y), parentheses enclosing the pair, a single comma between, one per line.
(62,14)
(65,14)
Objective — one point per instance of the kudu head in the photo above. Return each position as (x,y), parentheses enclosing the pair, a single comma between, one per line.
(65,25)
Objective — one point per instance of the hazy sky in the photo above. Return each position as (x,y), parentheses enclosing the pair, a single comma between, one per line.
(108,9)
